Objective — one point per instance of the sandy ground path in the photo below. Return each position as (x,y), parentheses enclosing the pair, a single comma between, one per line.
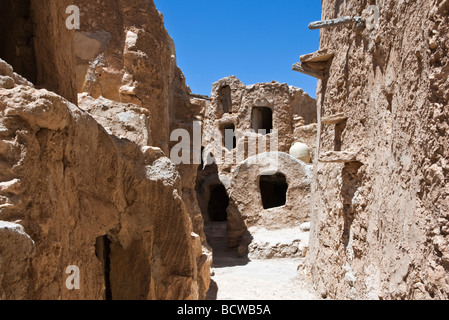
(237,278)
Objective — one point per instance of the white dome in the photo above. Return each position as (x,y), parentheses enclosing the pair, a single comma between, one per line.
(301,151)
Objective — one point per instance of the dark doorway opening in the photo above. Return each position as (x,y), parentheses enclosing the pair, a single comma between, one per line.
(229,138)
(262,120)
(103,252)
(225,99)
(273,190)
(218,203)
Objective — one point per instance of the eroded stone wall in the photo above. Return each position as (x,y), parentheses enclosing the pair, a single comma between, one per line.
(379,224)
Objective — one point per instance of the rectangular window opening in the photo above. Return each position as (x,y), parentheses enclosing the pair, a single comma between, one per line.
(262,120)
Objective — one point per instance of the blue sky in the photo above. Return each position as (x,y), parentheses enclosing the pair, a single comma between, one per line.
(257,41)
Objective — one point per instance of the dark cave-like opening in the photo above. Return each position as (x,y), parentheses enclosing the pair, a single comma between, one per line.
(273,190)
(229,137)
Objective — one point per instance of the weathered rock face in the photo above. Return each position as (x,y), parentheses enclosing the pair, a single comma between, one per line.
(73,193)
(380,222)
(123,120)
(278,244)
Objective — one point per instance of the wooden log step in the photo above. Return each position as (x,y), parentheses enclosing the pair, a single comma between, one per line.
(338,157)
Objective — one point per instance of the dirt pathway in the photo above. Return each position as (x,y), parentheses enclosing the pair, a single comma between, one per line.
(237,278)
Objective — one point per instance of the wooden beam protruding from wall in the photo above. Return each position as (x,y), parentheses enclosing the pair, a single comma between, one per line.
(303,68)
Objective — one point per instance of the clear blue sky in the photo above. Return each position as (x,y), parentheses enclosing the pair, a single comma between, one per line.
(257,41)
